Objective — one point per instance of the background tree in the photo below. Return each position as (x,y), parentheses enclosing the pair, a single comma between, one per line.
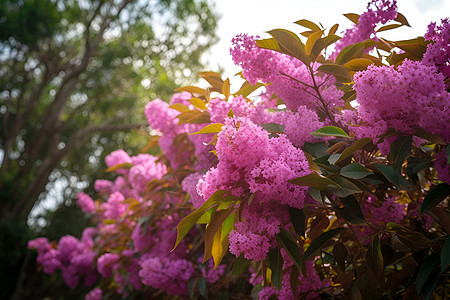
(72,74)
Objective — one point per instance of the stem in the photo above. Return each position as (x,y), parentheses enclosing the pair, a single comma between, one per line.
(319,96)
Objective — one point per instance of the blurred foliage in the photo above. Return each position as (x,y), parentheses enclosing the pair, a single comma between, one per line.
(74,78)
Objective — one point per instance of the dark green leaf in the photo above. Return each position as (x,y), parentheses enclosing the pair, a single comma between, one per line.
(316,149)
(352,211)
(240,265)
(355,171)
(316,194)
(315,180)
(339,72)
(425,270)
(445,254)
(330,131)
(359,144)
(289,244)
(374,258)
(411,239)
(434,197)
(346,187)
(202,289)
(447,151)
(298,220)
(400,150)
(415,165)
(276,265)
(340,253)
(389,173)
(353,51)
(321,240)
(434,138)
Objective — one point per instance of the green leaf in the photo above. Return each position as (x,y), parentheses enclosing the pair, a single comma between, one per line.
(321,240)
(316,194)
(213,78)
(298,220)
(206,217)
(352,211)
(434,138)
(211,128)
(290,44)
(389,27)
(352,17)
(445,254)
(358,145)
(355,171)
(190,220)
(273,127)
(330,131)
(276,265)
(416,47)
(315,150)
(315,180)
(400,150)
(434,197)
(289,244)
(312,40)
(339,72)
(389,173)
(415,165)
(429,264)
(340,253)
(374,258)
(308,24)
(411,239)
(358,64)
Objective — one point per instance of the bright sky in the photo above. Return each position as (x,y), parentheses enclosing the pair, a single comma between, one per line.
(255,17)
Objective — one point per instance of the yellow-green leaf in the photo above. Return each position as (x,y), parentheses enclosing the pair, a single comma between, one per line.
(214,79)
(198,103)
(290,44)
(217,219)
(358,64)
(352,17)
(179,107)
(191,89)
(330,131)
(339,72)
(211,128)
(270,44)
(119,166)
(246,88)
(333,29)
(312,40)
(308,24)
(389,27)
(226,88)
(402,19)
(189,221)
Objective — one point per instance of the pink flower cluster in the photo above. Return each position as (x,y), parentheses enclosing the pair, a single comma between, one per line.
(378,12)
(438,51)
(421,100)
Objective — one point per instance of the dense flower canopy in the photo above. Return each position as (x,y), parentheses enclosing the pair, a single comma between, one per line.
(334,175)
